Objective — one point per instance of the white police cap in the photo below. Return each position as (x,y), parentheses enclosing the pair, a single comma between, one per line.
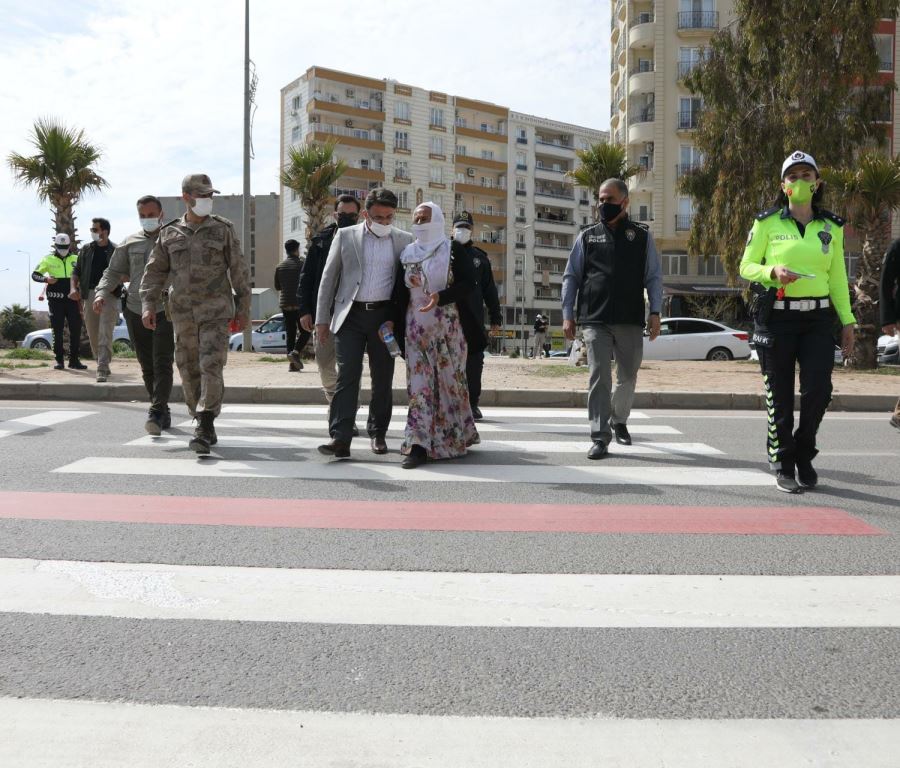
(798,158)
(61,239)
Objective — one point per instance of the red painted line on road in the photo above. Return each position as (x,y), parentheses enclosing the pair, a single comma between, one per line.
(431,516)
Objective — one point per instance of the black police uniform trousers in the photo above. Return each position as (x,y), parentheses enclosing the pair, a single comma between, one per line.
(475,369)
(802,338)
(155,350)
(296,338)
(63,311)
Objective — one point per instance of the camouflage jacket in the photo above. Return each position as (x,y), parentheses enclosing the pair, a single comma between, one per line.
(202,262)
(127,266)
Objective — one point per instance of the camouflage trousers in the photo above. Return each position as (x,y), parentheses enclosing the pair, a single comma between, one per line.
(201,350)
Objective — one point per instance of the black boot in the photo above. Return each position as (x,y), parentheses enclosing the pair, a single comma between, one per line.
(204,434)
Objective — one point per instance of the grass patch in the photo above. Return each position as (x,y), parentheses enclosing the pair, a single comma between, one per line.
(10,366)
(270,359)
(884,370)
(28,354)
(558,371)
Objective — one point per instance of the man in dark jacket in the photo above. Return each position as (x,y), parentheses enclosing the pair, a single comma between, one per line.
(287,281)
(890,303)
(346,213)
(472,311)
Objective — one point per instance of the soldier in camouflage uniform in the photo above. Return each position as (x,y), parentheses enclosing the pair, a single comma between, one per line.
(200,255)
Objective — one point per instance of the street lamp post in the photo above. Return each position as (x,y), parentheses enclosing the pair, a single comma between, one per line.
(522,314)
(28,276)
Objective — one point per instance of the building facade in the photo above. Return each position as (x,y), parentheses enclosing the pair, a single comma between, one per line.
(505,168)
(654,45)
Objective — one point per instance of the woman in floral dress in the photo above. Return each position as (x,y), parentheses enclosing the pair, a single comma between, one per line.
(439,424)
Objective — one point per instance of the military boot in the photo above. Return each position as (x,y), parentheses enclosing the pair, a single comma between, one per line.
(204,434)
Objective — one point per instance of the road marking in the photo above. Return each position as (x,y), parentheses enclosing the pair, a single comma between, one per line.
(434,516)
(399,426)
(499,413)
(425,598)
(457,471)
(112,734)
(510,446)
(40,421)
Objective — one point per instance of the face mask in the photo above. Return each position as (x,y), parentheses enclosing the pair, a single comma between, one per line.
(95,236)
(462,235)
(799,191)
(346,219)
(379,230)
(609,211)
(62,250)
(202,206)
(430,232)
(149,225)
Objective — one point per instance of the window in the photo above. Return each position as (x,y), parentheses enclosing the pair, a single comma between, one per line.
(437,145)
(675,263)
(437,117)
(461,149)
(438,200)
(710,266)
(884,47)
(294,196)
(401,140)
(520,161)
(521,133)
(295,134)
(401,110)
(403,199)
(295,223)
(487,154)
(437,174)
(401,169)
(520,237)
(643,213)
(520,184)
(295,103)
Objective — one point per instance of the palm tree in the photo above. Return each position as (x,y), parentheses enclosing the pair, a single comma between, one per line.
(599,162)
(312,172)
(869,192)
(61,171)
(15,322)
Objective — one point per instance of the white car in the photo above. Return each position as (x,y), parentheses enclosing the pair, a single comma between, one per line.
(690,338)
(268,337)
(43,339)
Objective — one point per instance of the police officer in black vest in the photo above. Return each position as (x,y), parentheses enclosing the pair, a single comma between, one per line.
(609,267)
(472,316)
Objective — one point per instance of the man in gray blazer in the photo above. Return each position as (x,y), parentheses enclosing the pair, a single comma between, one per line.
(354,301)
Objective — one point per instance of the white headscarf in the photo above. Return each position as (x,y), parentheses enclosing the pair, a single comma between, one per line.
(430,250)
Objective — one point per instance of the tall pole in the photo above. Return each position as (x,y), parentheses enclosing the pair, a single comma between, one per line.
(28,276)
(245,230)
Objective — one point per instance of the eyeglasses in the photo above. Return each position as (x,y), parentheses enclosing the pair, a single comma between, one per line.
(94,229)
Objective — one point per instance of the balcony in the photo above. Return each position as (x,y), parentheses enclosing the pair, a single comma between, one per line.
(359,194)
(369,174)
(642,34)
(554,146)
(698,21)
(641,115)
(480,162)
(548,171)
(483,131)
(557,194)
(641,82)
(688,121)
(354,137)
(686,67)
(547,277)
(551,245)
(685,169)
(683,222)
(368,110)
(483,189)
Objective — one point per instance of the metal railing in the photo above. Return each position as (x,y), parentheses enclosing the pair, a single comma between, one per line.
(340,130)
(686,67)
(369,104)
(553,143)
(642,66)
(484,128)
(642,115)
(554,247)
(683,222)
(698,20)
(642,18)
(688,121)
(558,195)
(685,168)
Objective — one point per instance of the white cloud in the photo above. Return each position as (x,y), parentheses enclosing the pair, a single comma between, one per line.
(159,87)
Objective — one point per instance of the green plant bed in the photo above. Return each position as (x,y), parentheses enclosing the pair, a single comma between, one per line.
(270,359)
(10,366)
(559,371)
(28,354)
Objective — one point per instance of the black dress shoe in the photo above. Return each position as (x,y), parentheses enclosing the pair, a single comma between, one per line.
(622,436)
(59,367)
(378,445)
(476,413)
(598,450)
(807,477)
(77,365)
(335,448)
(416,458)
(355,431)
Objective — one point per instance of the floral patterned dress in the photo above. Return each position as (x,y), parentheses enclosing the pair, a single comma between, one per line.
(440,415)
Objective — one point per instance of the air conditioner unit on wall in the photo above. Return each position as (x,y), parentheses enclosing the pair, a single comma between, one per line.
(470,172)
(314,118)
(348,123)
(649,147)
(350,93)
(293,113)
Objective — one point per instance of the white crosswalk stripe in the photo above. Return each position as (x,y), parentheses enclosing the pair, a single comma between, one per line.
(579,414)
(41,420)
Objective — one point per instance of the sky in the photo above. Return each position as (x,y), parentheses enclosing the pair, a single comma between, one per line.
(159,86)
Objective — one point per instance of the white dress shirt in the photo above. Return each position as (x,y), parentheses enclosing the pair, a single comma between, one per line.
(378,266)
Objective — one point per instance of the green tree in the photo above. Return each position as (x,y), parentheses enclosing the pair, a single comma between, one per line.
(61,171)
(311,172)
(16,322)
(868,191)
(599,162)
(778,80)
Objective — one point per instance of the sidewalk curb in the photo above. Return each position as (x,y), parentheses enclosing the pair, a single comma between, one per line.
(523,398)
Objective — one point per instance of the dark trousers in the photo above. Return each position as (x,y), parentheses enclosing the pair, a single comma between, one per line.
(296,338)
(357,336)
(155,352)
(64,311)
(802,338)
(474,369)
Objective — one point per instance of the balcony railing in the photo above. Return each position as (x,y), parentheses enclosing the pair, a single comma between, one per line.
(538,166)
(641,67)
(359,194)
(340,130)
(553,220)
(642,115)
(688,121)
(686,67)
(553,246)
(885,66)
(642,18)
(484,128)
(553,142)
(698,20)
(683,222)
(685,168)
(559,194)
(375,105)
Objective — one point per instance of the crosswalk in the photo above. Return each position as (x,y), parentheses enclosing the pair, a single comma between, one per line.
(142,658)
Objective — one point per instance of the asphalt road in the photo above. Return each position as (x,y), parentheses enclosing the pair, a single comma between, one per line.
(688,521)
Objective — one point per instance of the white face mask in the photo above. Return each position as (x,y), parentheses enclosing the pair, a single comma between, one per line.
(95,236)
(379,230)
(149,225)
(428,233)
(462,235)
(202,206)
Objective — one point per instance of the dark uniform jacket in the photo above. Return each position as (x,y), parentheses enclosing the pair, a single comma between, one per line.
(890,285)
(287,280)
(484,292)
(311,274)
(85,264)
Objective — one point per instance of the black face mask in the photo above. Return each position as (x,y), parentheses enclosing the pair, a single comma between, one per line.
(347,219)
(609,211)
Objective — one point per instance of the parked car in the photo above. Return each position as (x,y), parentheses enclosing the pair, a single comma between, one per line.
(268,337)
(888,350)
(689,338)
(43,339)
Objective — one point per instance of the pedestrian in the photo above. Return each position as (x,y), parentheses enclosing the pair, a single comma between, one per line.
(93,259)
(358,282)
(200,256)
(890,303)
(611,265)
(55,270)
(540,336)
(471,312)
(287,280)
(346,214)
(429,294)
(155,348)
(795,256)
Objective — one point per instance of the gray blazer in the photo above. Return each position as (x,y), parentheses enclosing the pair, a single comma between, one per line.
(343,270)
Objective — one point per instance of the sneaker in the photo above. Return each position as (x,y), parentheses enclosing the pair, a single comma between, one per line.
(785,482)
(807,477)
(166,420)
(476,413)
(622,436)
(101,378)
(77,365)
(598,450)
(153,425)
(296,363)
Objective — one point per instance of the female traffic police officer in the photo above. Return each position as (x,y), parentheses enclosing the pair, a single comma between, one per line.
(796,251)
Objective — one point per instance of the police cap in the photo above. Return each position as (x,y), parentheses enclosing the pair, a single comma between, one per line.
(463,219)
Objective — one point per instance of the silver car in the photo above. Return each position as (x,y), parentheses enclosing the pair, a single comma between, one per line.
(690,338)
(43,339)
(268,337)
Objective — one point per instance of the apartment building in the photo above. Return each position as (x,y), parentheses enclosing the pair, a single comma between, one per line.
(654,45)
(506,168)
